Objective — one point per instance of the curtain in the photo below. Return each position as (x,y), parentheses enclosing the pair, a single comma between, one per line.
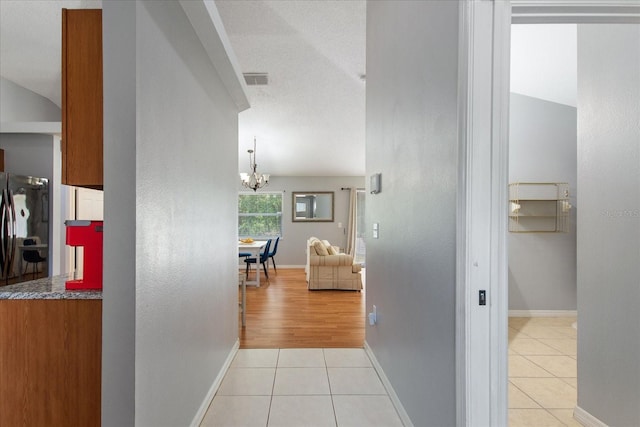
(351,225)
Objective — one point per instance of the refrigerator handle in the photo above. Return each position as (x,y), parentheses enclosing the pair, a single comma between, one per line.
(12,235)
(4,236)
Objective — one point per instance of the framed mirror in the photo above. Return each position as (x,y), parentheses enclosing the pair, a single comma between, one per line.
(312,206)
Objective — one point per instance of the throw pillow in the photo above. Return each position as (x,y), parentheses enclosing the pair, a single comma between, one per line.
(332,250)
(320,248)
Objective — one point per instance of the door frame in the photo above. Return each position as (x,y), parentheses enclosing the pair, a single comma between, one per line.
(482,261)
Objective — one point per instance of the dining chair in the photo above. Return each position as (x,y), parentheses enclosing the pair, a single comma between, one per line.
(264,257)
(273,253)
(32,257)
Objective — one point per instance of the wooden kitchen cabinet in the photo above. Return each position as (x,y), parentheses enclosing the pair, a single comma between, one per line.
(50,362)
(82,158)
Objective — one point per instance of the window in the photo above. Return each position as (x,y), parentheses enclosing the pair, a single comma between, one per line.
(260,215)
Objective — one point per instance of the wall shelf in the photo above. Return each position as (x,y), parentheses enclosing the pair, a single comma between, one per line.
(539,207)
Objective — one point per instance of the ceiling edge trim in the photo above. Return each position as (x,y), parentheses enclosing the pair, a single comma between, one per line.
(206,22)
(575,11)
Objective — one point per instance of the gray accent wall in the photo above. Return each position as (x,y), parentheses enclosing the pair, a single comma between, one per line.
(28,154)
(170,307)
(411,139)
(18,104)
(292,246)
(542,148)
(609,223)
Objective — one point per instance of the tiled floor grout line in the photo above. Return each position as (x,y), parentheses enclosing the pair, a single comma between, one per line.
(557,334)
(333,405)
(273,386)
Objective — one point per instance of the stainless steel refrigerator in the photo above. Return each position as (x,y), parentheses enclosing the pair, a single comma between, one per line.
(24,213)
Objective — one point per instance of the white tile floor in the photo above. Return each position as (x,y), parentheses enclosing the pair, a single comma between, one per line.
(301,387)
(542,372)
(339,387)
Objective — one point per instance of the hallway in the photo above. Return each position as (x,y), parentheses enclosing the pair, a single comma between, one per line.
(296,387)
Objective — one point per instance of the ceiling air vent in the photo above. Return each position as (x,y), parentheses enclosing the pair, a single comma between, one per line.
(256,79)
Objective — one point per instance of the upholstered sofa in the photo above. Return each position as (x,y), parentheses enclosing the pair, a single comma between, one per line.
(328,269)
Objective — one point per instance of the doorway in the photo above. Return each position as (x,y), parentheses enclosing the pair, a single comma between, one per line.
(542,224)
(580,12)
(486,166)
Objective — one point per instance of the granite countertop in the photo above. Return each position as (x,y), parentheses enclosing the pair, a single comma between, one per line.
(47,288)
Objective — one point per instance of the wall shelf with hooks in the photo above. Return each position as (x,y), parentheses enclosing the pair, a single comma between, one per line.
(539,207)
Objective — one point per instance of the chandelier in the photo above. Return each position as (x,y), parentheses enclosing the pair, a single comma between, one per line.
(254,180)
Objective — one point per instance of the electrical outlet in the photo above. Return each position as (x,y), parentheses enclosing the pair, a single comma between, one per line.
(373,316)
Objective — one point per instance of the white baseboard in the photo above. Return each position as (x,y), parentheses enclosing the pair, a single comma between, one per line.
(202,411)
(586,419)
(406,421)
(543,313)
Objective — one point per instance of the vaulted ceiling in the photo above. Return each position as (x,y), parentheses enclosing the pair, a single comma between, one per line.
(310,117)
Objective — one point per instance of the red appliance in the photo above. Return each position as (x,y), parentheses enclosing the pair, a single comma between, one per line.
(89,235)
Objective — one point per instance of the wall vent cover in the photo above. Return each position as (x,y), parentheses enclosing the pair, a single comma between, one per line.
(256,79)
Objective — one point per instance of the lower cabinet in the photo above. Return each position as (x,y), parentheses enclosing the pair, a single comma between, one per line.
(50,362)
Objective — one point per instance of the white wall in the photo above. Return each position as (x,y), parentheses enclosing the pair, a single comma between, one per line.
(18,104)
(412,79)
(292,246)
(609,222)
(170,281)
(542,148)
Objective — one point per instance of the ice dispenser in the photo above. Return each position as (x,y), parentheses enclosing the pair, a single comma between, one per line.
(87,234)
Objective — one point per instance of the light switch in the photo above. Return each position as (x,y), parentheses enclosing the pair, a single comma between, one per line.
(375,230)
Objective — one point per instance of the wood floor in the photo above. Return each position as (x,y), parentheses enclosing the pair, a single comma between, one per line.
(282,313)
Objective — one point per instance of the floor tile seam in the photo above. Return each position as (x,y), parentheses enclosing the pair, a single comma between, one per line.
(557,376)
(243,395)
(335,415)
(273,386)
(570,385)
(529,396)
(557,349)
(542,367)
(553,415)
(530,377)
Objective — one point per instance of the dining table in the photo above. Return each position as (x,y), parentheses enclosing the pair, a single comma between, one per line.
(254,248)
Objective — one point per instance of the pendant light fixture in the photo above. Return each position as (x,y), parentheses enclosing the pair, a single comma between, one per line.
(253,179)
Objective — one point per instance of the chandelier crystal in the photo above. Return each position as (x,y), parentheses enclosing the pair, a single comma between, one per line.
(253,179)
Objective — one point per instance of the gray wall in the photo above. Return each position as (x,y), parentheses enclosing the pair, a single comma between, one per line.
(412,65)
(609,222)
(170,278)
(292,246)
(542,148)
(18,104)
(28,154)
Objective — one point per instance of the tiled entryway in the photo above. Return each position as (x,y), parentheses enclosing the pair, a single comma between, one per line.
(301,387)
(339,387)
(542,371)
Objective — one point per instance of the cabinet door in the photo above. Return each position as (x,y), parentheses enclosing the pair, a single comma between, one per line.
(82,98)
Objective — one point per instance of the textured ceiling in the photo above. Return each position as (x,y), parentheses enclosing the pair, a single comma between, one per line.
(309,120)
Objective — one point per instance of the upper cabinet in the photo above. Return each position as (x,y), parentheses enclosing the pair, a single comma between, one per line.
(82,159)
